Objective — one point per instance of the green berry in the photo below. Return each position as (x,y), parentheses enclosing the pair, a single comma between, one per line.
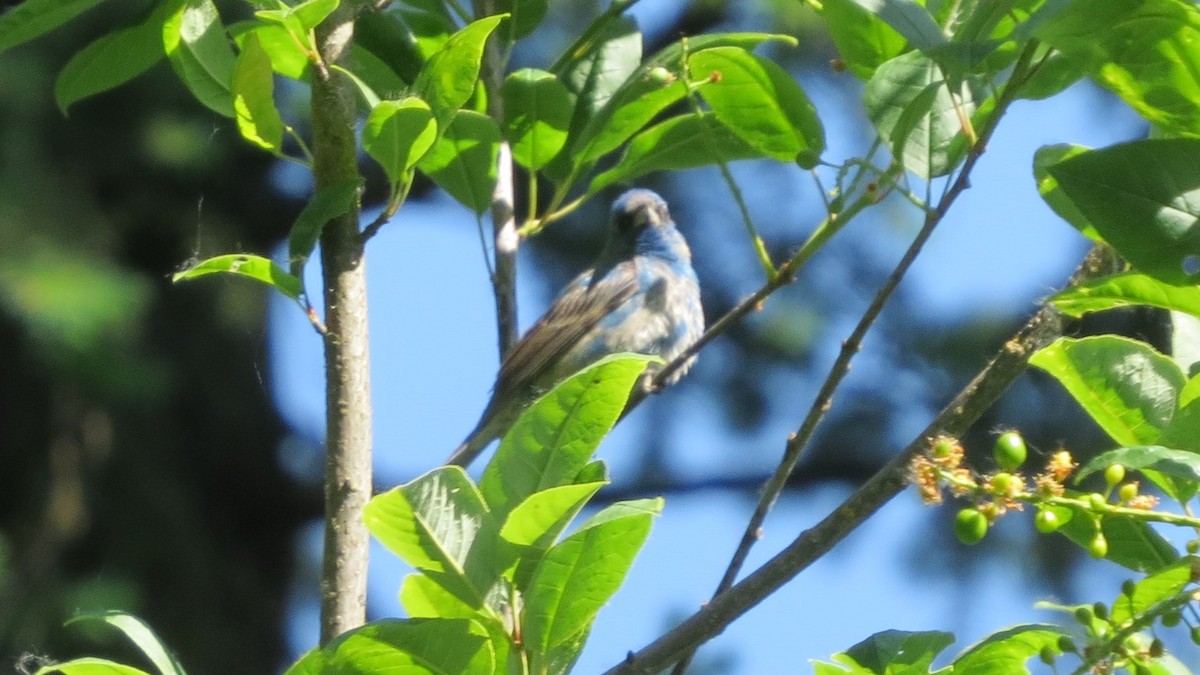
(1010,451)
(1004,483)
(1193,547)
(1115,473)
(1066,644)
(1171,618)
(1098,547)
(1156,648)
(1096,501)
(1047,655)
(1128,587)
(1046,521)
(1196,635)
(1084,616)
(1100,610)
(1127,492)
(970,526)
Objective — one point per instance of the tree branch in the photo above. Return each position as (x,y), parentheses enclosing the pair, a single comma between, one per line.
(347,357)
(955,419)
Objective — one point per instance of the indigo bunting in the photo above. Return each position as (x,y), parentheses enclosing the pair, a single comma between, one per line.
(641,296)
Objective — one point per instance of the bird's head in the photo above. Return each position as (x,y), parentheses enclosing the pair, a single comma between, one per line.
(642,225)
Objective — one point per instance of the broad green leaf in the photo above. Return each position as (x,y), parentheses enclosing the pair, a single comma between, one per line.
(412,647)
(555,438)
(311,663)
(113,59)
(376,75)
(1124,290)
(537,114)
(201,54)
(32,18)
(526,15)
(1163,584)
(1175,472)
(1131,543)
(244,264)
(539,519)
(389,39)
(140,634)
(1183,433)
(909,19)
(398,134)
(424,598)
(332,201)
(253,89)
(439,524)
(1185,349)
(1142,50)
(863,40)
(893,651)
(631,108)
(671,56)
(761,103)
(301,18)
(1055,72)
(1144,199)
(1046,157)
(913,109)
(1127,387)
(683,142)
(596,74)
(1007,651)
(448,79)
(579,574)
(287,56)
(89,666)
(463,161)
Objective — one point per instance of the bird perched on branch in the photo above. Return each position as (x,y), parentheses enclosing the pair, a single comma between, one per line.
(641,296)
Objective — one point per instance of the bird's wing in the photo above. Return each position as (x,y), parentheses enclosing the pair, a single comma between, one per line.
(572,315)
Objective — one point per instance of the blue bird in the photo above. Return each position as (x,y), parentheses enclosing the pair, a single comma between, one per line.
(641,296)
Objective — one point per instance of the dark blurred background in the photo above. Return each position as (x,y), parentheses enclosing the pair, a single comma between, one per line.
(140,448)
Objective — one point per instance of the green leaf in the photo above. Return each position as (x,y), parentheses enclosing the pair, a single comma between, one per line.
(1144,199)
(1175,472)
(1046,157)
(34,18)
(140,634)
(909,19)
(537,114)
(439,524)
(595,75)
(761,103)
(424,598)
(1183,433)
(539,519)
(463,161)
(631,108)
(682,142)
(1124,290)
(332,201)
(448,79)
(398,134)
(1142,50)
(580,573)
(252,266)
(376,74)
(253,88)
(89,666)
(389,39)
(1162,585)
(910,103)
(311,663)
(526,15)
(893,651)
(554,439)
(201,54)
(287,56)
(863,40)
(301,18)
(112,60)
(412,647)
(1185,349)
(1007,651)
(1127,387)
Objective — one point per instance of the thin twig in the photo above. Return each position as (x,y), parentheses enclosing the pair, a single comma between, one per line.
(954,420)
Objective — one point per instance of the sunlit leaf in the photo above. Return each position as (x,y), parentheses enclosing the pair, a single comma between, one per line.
(398,134)
(463,161)
(892,651)
(1124,290)
(1009,650)
(89,666)
(1127,387)
(537,112)
(412,647)
(1143,197)
(138,633)
(1162,585)
(251,266)
(864,41)
(253,88)
(1046,157)
(909,19)
(1175,472)
(201,54)
(332,201)
(448,79)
